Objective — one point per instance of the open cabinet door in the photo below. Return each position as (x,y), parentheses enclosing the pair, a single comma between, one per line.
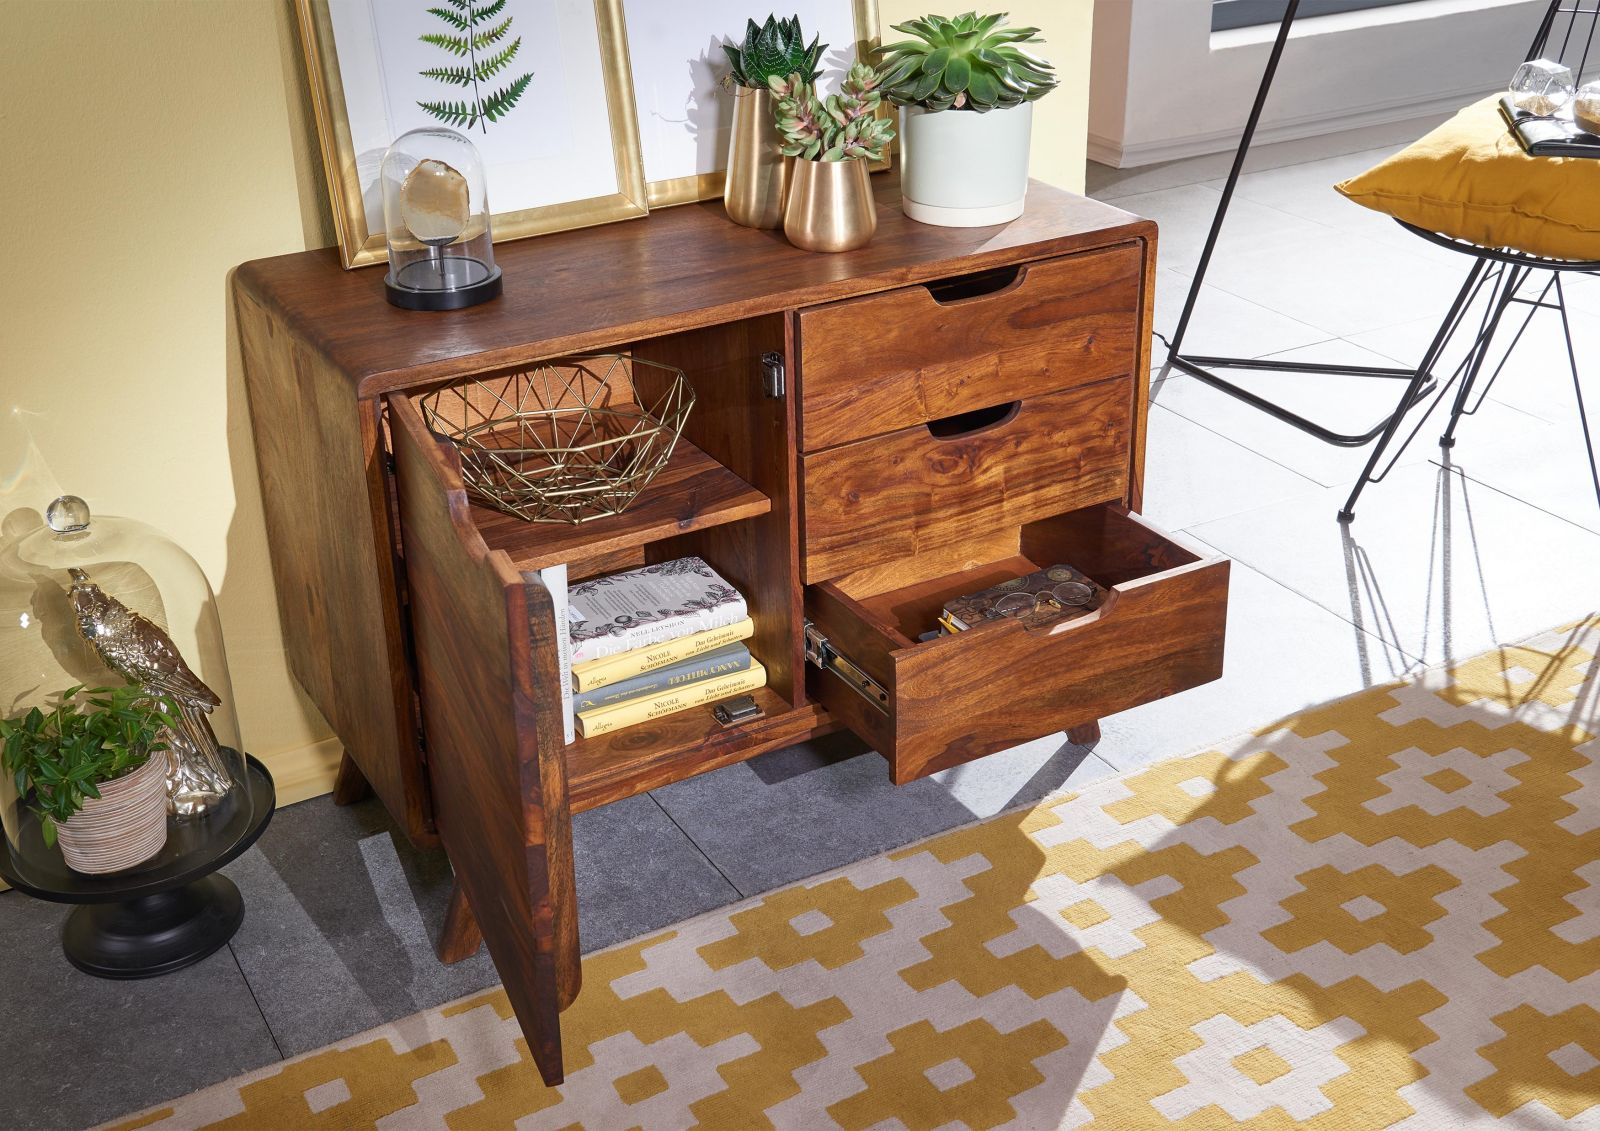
(487,674)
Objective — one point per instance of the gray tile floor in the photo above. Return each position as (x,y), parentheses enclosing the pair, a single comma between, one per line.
(1444,560)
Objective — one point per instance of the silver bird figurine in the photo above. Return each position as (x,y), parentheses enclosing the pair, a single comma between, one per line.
(138,650)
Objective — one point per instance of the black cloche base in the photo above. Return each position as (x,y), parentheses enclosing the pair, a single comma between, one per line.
(154,934)
(164,915)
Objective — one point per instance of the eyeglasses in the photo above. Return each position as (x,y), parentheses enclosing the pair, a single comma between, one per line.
(1066,595)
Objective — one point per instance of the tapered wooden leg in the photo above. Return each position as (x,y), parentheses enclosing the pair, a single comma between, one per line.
(350,785)
(1086,735)
(460,938)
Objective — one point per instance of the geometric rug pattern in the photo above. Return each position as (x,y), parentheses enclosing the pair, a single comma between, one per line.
(1381,913)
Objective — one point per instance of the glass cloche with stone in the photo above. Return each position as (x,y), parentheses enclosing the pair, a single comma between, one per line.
(436,218)
(96,602)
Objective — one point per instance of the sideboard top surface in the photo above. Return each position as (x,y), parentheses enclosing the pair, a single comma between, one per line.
(677,269)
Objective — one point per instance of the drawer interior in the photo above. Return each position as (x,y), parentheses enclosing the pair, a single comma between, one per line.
(956,697)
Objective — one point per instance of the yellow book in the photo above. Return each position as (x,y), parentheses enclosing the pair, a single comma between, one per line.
(625,665)
(607,719)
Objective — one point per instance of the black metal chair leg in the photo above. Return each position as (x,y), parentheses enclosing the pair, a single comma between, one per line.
(1348,512)
(1499,303)
(1577,386)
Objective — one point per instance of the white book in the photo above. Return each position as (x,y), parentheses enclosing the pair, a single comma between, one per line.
(555,580)
(649,605)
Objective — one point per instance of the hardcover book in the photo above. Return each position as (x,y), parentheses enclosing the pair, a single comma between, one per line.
(649,605)
(1556,136)
(626,665)
(607,719)
(734,658)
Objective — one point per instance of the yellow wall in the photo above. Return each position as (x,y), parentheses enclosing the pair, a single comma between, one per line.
(151,146)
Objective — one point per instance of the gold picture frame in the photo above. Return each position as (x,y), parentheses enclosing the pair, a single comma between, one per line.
(362,242)
(669,191)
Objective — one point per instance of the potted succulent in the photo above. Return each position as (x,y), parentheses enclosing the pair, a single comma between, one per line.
(830,206)
(90,769)
(757,171)
(965,88)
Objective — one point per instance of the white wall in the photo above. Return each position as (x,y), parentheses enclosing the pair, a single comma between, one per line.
(1163,87)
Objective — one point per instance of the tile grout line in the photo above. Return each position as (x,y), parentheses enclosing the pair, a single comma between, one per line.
(704,854)
(251,990)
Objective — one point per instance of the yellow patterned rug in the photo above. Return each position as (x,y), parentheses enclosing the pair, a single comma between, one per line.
(1383,913)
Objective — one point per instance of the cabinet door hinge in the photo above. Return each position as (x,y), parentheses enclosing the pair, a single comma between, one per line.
(772,374)
(823,654)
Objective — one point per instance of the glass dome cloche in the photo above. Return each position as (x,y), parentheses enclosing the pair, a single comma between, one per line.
(120,744)
(436,220)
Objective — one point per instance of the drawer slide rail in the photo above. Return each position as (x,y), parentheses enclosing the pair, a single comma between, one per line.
(825,656)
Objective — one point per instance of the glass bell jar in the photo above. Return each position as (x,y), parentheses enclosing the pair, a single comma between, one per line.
(436,218)
(148,745)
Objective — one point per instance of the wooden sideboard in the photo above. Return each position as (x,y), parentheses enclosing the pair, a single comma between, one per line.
(950,408)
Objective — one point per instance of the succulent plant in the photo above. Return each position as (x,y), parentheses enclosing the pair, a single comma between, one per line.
(841,127)
(775,50)
(970,62)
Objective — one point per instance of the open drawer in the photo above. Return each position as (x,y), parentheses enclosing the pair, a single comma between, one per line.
(928,706)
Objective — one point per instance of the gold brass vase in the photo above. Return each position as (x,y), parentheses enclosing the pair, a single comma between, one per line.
(830,206)
(758,172)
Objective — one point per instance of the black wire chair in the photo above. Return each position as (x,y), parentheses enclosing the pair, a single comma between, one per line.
(1503,274)
(1499,275)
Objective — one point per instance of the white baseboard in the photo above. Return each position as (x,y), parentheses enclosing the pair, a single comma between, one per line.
(1109,151)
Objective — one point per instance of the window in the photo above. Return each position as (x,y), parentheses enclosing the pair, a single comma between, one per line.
(1247,13)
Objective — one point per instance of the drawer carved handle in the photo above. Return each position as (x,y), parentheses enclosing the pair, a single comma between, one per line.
(981,284)
(964,424)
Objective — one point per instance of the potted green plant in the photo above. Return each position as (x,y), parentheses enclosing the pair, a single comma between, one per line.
(757,176)
(830,206)
(965,87)
(89,768)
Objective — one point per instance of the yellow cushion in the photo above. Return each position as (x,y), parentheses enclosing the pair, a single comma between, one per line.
(1470,179)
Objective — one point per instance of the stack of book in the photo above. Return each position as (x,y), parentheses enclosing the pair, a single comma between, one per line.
(655,641)
(1058,593)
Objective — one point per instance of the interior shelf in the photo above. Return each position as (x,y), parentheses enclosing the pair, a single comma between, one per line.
(692,492)
(600,769)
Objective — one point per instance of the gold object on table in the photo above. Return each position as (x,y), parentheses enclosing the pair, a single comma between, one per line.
(830,206)
(139,651)
(758,172)
(434,202)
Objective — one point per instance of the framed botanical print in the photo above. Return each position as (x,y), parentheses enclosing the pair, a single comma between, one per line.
(684,113)
(542,87)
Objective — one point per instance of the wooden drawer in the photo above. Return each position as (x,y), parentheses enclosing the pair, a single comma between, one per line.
(956,698)
(874,364)
(951,480)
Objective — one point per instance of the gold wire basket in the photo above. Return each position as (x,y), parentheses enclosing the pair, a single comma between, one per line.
(568,441)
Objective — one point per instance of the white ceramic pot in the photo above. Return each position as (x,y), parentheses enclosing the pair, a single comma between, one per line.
(124,826)
(962,169)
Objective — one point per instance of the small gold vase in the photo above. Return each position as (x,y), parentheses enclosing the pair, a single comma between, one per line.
(758,172)
(830,206)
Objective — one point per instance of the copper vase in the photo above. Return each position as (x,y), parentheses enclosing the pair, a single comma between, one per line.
(830,206)
(758,171)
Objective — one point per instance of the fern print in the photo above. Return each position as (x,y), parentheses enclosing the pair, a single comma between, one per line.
(474,37)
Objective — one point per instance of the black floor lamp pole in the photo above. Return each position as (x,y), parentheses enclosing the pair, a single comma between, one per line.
(1203,367)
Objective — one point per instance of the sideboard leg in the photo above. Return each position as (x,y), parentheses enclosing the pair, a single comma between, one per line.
(350,785)
(460,938)
(1086,735)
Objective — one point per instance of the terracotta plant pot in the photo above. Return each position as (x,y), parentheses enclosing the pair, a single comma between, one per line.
(830,206)
(125,826)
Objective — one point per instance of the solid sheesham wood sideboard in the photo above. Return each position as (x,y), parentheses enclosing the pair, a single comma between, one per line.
(875,433)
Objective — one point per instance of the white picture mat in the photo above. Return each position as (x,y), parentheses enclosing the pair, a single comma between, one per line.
(684,115)
(555,144)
